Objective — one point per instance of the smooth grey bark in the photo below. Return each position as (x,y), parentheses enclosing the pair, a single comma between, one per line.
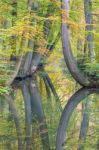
(76,73)
(15,115)
(35,61)
(37,108)
(27,64)
(89,28)
(68,56)
(36,57)
(89,42)
(68,110)
(28,114)
(28,60)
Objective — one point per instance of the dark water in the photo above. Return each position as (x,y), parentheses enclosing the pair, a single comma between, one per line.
(19,132)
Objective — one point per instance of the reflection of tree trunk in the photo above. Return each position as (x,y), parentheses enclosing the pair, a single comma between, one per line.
(51,87)
(16,120)
(49,98)
(68,110)
(84,124)
(28,117)
(53,90)
(37,107)
(48,92)
(97,148)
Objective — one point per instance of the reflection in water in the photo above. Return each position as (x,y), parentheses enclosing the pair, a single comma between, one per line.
(23,123)
(66,115)
(28,123)
(15,116)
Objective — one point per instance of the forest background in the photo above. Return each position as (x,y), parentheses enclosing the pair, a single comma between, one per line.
(38,74)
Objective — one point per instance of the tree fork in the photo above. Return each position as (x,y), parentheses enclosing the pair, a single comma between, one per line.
(77,74)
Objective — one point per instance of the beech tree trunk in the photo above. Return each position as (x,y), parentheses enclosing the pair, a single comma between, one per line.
(89,42)
(28,114)
(38,110)
(76,73)
(67,112)
(89,28)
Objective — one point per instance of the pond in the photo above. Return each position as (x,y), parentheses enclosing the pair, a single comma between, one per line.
(27,123)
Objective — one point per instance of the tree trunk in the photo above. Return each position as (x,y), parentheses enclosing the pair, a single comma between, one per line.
(89,40)
(84,124)
(89,28)
(77,74)
(37,107)
(28,115)
(68,110)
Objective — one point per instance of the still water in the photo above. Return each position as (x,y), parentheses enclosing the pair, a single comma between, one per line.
(35,128)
